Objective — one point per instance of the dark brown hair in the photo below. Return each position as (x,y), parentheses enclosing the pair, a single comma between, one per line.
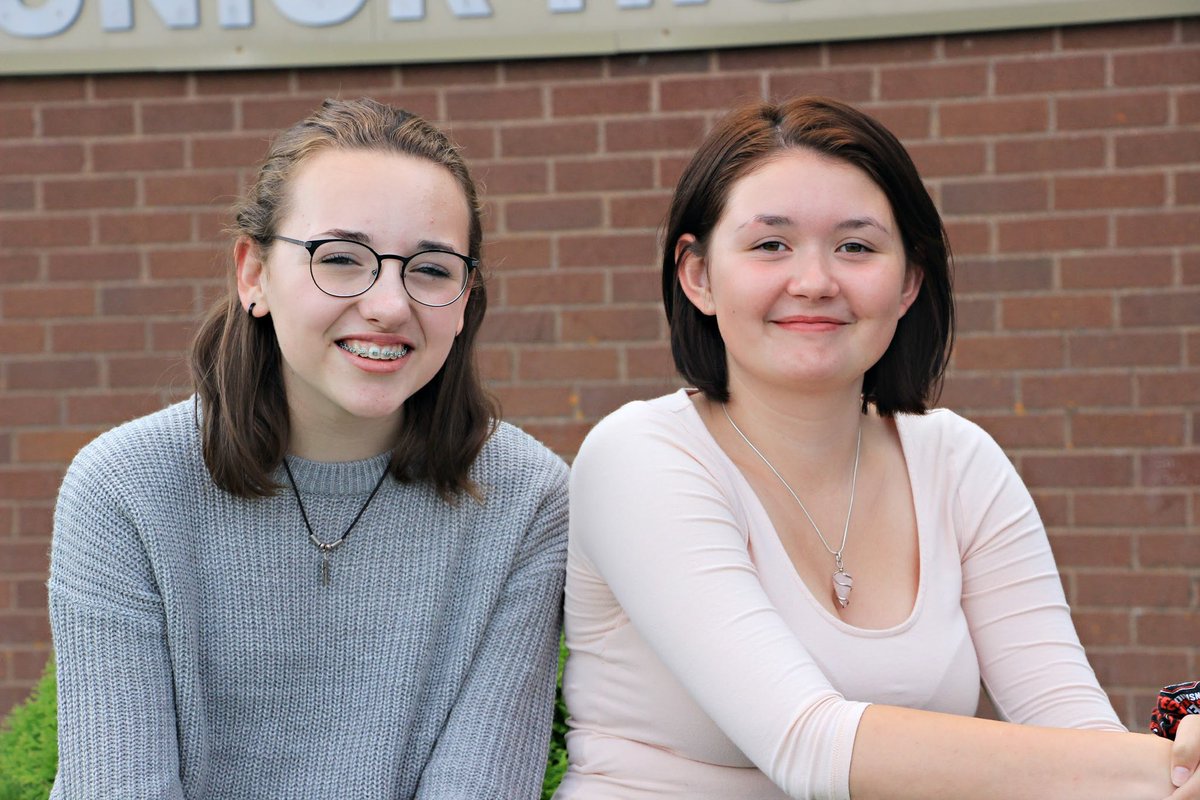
(235,358)
(909,374)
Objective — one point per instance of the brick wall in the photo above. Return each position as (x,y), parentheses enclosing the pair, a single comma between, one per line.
(1067,162)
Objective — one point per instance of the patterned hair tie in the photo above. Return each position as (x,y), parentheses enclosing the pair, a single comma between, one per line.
(1174,703)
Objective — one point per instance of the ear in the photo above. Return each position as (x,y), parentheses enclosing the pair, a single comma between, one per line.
(691,269)
(462,312)
(913,278)
(251,272)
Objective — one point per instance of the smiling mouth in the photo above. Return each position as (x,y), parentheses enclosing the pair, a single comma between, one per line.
(374,352)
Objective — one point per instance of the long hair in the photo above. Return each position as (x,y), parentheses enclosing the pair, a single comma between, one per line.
(908,376)
(236,363)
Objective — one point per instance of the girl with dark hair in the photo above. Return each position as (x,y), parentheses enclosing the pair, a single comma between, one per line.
(333,572)
(790,580)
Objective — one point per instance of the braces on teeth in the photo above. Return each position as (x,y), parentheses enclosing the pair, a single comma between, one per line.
(374,351)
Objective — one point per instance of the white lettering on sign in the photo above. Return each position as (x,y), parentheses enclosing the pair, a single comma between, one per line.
(33,22)
(235,14)
(117,15)
(414,10)
(319,13)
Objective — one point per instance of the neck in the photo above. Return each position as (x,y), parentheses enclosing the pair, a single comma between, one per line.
(316,438)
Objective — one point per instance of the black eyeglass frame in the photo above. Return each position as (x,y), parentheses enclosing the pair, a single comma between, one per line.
(312,244)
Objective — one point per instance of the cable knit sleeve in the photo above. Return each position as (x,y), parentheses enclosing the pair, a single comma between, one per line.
(1030,658)
(495,740)
(117,732)
(663,532)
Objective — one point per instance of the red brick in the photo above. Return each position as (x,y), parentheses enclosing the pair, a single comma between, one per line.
(21,337)
(1049,233)
(134,228)
(192,189)
(140,85)
(1075,470)
(1172,388)
(1057,312)
(30,409)
(494,103)
(559,364)
(437,75)
(75,121)
(639,210)
(1187,188)
(172,336)
(883,51)
(719,92)
(1049,74)
(141,156)
(1096,628)
(670,170)
(1121,588)
(495,363)
(476,141)
(610,324)
(241,152)
(636,286)
(29,664)
(907,121)
(1101,271)
(1077,390)
(597,401)
(110,408)
(994,117)
(550,139)
(188,262)
(552,70)
(1171,469)
(771,59)
(604,174)
(650,362)
(976,393)
(667,133)
(563,438)
(848,85)
(19,88)
(52,447)
(975,316)
(600,99)
(1188,107)
(1055,154)
(517,253)
(93,336)
(1109,191)
(969,238)
(932,82)
(1118,35)
(264,81)
(36,518)
(17,195)
(1109,110)
(1125,350)
(502,326)
(995,196)
(1161,309)
(538,401)
(1086,549)
(1127,430)
(588,250)
(45,302)
(1009,352)
(1162,67)
(658,63)
(1014,431)
(1138,509)
(1009,275)
(40,159)
(554,289)
(1143,666)
(937,159)
(552,215)
(1150,149)
(1158,229)
(1159,627)
(341,81)
(998,43)
(17,123)
(139,372)
(87,193)
(45,232)
(1169,549)
(25,483)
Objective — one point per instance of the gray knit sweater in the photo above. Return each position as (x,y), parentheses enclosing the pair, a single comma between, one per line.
(200,656)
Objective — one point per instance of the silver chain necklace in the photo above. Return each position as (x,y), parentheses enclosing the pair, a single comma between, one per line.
(842,581)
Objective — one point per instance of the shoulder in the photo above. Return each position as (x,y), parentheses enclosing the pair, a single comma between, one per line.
(945,443)
(165,443)
(670,417)
(514,458)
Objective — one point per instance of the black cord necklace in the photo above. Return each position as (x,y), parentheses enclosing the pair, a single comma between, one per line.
(328,547)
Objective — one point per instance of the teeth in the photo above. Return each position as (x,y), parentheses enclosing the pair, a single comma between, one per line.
(374,352)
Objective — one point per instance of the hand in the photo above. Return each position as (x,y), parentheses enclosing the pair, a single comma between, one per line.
(1185,759)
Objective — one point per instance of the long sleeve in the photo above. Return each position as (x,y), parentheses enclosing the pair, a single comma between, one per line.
(662,530)
(1031,661)
(494,742)
(117,730)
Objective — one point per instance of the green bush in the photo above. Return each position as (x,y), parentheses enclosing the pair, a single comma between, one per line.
(29,744)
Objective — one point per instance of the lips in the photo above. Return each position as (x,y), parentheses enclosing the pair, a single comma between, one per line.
(374,351)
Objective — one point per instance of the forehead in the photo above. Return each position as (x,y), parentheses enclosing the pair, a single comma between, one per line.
(806,183)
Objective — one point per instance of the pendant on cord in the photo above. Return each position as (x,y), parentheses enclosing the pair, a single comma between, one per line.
(842,583)
(326,548)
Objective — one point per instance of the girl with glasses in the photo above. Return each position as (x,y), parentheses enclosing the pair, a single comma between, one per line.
(789,580)
(332,572)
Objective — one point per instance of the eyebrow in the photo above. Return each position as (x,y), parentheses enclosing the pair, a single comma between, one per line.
(364,238)
(782,220)
(856,223)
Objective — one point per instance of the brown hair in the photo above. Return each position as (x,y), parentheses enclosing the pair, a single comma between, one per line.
(236,360)
(909,374)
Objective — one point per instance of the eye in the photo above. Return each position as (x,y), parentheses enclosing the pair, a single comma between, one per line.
(771,246)
(854,248)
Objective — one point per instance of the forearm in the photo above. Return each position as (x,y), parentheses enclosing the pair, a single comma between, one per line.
(901,754)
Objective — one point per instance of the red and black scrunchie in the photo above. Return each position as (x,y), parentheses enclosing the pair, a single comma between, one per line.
(1174,703)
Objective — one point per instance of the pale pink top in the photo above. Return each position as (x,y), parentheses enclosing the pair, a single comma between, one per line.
(701,665)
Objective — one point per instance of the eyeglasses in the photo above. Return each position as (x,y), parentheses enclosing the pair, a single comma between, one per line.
(342,268)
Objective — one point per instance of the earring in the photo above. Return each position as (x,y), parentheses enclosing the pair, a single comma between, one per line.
(250,310)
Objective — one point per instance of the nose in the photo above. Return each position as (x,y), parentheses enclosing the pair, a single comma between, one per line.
(386,303)
(811,275)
